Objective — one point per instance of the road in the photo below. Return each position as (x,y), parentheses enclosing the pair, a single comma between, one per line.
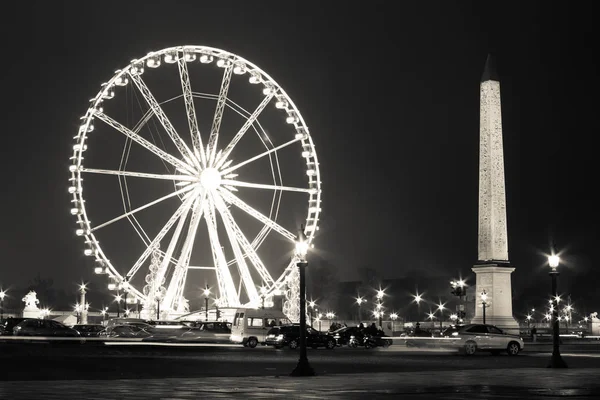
(54,361)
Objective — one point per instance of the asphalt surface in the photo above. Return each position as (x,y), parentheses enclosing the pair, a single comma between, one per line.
(131,370)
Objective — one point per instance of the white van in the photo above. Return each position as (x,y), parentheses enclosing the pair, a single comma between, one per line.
(250,325)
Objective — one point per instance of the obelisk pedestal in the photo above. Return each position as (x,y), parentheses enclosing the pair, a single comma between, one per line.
(494,278)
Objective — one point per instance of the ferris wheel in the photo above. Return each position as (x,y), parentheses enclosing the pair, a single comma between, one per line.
(175,184)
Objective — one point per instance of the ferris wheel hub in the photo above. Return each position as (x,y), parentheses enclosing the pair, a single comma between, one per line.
(210,178)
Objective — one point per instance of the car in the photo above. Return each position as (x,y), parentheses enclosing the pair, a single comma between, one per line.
(44,327)
(89,330)
(289,335)
(192,331)
(9,324)
(125,331)
(471,338)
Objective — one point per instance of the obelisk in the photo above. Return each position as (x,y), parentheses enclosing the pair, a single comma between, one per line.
(492,270)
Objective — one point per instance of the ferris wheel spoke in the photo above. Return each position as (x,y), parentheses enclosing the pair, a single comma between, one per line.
(177,282)
(164,121)
(229,182)
(127,214)
(241,164)
(216,124)
(168,177)
(174,161)
(238,136)
(243,241)
(167,259)
(239,255)
(185,205)
(226,285)
(233,199)
(191,111)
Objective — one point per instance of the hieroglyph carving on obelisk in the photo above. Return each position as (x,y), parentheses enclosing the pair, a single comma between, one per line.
(493,242)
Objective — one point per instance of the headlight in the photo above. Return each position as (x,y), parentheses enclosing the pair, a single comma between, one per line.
(454,333)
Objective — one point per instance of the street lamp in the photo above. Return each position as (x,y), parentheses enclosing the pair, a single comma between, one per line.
(118,299)
(82,290)
(484,297)
(556,360)
(206,295)
(417,298)
(393,317)
(441,310)
(2,296)
(359,301)
(379,296)
(158,296)
(263,293)
(303,368)
(311,306)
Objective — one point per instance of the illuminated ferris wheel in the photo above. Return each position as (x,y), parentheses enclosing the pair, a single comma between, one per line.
(175,185)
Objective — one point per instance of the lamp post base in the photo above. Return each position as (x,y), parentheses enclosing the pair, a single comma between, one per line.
(303,369)
(556,361)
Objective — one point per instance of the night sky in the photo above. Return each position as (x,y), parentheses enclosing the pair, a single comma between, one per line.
(390,93)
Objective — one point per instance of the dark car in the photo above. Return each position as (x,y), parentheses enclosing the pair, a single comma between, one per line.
(89,330)
(9,324)
(43,327)
(192,331)
(125,331)
(289,335)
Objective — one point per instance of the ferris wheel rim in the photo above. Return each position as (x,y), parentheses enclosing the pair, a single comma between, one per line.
(265,79)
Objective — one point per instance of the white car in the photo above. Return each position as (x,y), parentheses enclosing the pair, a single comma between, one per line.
(480,337)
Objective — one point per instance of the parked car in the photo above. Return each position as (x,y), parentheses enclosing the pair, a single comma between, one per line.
(482,337)
(192,331)
(9,324)
(89,330)
(43,327)
(125,331)
(289,335)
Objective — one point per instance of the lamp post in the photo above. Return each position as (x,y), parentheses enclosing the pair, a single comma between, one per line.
(441,310)
(84,313)
(359,301)
(417,298)
(303,368)
(263,294)
(379,297)
(393,317)
(483,296)
(311,306)
(556,360)
(158,297)
(118,299)
(78,312)
(206,295)
(2,296)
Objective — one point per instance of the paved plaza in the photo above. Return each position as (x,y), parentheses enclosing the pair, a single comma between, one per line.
(529,383)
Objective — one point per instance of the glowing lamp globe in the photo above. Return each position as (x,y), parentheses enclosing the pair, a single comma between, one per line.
(553,261)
